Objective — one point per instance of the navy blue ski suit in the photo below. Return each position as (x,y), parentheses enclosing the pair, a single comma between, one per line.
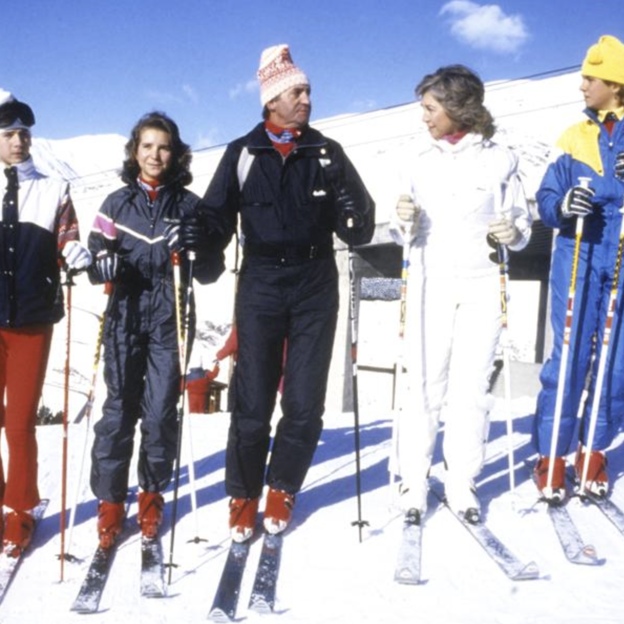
(141,361)
(287,292)
(588,151)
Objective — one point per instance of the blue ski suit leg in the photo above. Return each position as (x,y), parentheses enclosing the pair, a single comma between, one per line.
(584,324)
(142,374)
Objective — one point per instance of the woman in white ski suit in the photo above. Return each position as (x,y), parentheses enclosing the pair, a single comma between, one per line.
(461,187)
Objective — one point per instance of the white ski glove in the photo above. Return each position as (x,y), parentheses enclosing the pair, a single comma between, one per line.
(408,210)
(504,232)
(77,256)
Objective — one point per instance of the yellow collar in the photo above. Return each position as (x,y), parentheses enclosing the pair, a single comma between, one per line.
(618,112)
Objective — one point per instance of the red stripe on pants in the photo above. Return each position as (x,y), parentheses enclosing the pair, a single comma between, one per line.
(23,360)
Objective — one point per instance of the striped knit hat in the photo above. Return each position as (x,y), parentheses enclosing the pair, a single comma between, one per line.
(277,73)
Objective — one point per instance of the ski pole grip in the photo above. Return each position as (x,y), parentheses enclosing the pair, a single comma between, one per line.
(584,181)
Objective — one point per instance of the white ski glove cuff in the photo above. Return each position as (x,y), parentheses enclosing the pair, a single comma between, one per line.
(407,209)
(504,232)
(77,256)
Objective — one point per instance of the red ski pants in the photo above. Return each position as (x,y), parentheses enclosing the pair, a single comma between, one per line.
(23,360)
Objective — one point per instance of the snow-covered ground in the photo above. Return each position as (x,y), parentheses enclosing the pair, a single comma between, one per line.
(326,575)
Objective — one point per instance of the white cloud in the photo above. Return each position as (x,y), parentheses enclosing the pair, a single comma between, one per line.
(207,139)
(243,88)
(367,104)
(162,97)
(485,27)
(185,94)
(190,93)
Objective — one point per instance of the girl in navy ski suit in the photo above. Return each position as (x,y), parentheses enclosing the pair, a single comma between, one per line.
(132,240)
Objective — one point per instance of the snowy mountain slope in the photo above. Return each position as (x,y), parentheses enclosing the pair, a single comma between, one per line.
(79,158)
(530,114)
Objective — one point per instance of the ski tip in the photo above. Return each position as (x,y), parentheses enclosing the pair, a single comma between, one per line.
(587,556)
(83,609)
(406,577)
(530,572)
(260,605)
(154,592)
(219,615)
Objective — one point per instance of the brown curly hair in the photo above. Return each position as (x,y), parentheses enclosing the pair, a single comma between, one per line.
(180,170)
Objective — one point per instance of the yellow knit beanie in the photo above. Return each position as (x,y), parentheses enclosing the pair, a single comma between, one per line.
(605,60)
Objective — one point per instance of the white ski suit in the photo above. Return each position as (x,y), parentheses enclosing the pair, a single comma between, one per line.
(453,308)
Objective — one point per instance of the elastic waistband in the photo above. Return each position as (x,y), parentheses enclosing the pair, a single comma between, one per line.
(288,254)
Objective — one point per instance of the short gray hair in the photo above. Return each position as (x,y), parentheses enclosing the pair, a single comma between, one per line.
(461,93)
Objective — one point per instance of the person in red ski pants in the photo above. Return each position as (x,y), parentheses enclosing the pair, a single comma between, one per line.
(38,233)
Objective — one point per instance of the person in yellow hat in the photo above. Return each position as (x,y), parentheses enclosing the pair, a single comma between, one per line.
(592,149)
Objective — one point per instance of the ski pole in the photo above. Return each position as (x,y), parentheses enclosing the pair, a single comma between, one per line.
(191,255)
(397,406)
(182,328)
(333,175)
(87,414)
(354,381)
(503,269)
(69,282)
(565,348)
(604,351)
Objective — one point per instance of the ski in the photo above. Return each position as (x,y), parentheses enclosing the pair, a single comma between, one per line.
(507,561)
(152,568)
(611,511)
(226,598)
(575,550)
(263,593)
(10,565)
(407,571)
(92,587)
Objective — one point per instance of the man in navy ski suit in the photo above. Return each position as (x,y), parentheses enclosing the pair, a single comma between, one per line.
(592,149)
(292,188)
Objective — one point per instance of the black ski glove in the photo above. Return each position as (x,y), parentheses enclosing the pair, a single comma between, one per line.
(172,235)
(185,234)
(619,166)
(192,233)
(348,216)
(104,268)
(577,202)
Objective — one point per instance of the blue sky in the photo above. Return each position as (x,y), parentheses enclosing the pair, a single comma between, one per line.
(91,67)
